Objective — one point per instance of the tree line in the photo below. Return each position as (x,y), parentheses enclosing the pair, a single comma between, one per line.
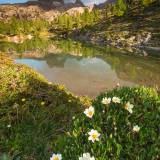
(122,7)
(16,26)
(67,22)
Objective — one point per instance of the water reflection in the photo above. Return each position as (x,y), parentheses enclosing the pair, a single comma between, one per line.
(82,76)
(86,69)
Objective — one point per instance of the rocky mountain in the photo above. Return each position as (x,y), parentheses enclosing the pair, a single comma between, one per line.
(43,9)
(102,5)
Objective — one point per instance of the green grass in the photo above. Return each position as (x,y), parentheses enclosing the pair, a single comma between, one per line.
(35,115)
(37,111)
(116,121)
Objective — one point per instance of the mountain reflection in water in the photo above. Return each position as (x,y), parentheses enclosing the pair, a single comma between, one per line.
(82,76)
(85,69)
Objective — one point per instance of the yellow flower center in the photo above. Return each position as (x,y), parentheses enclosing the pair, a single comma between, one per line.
(94,136)
(126,106)
(55,158)
(90,113)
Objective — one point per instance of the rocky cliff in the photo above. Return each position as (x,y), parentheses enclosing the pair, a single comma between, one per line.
(43,9)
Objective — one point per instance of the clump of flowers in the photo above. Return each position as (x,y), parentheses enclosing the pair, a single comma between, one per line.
(86,156)
(114,130)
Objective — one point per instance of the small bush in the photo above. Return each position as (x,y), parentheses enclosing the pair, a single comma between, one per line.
(128,130)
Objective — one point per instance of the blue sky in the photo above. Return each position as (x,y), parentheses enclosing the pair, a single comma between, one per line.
(22,1)
(12,1)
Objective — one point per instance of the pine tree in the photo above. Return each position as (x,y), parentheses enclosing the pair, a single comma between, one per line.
(119,8)
(69,22)
(77,21)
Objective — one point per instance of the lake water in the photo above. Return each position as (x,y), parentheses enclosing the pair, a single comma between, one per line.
(85,69)
(82,76)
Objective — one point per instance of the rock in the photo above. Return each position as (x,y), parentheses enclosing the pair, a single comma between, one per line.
(131,39)
(103,5)
(147,38)
(56,4)
(16,39)
(29,36)
(145,53)
(79,2)
(52,2)
(75,10)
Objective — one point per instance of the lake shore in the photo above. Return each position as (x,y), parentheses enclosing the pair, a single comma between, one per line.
(137,33)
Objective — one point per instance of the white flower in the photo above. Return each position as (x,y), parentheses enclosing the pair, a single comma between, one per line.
(93,135)
(129,107)
(73,117)
(23,99)
(136,128)
(86,156)
(106,101)
(56,157)
(118,85)
(9,126)
(116,100)
(42,103)
(89,112)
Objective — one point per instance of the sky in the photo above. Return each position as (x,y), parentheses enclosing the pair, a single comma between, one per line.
(12,1)
(84,1)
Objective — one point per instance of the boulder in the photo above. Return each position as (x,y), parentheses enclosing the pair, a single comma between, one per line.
(56,4)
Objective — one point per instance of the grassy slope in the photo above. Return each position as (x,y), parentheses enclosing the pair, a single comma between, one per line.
(37,111)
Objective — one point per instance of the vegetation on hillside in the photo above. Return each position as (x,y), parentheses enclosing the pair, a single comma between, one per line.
(33,112)
(131,25)
(125,23)
(16,26)
(89,18)
(67,23)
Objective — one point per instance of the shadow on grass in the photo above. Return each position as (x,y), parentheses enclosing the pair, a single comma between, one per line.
(33,113)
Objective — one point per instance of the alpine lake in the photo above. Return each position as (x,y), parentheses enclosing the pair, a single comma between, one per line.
(85,69)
